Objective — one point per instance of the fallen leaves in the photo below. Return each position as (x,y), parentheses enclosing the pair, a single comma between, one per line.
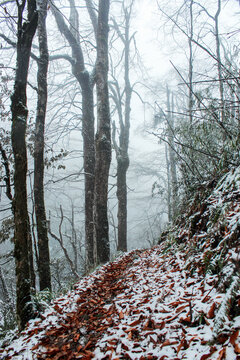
(121,315)
(211,351)
(133,310)
(211,311)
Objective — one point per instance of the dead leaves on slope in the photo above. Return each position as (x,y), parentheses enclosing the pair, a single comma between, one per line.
(144,329)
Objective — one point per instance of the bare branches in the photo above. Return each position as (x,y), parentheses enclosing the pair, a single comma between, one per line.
(219,122)
(7,2)
(76,49)
(61,243)
(14,45)
(62,57)
(196,42)
(93,15)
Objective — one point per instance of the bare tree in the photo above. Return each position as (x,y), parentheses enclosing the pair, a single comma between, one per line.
(102,150)
(60,239)
(86,82)
(122,101)
(25,34)
(103,137)
(39,203)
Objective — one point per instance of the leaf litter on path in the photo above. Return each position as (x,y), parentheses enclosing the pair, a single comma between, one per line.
(144,305)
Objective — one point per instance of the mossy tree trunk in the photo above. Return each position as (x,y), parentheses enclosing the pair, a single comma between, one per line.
(25,34)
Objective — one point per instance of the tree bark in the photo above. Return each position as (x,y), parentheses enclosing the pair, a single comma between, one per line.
(39,203)
(124,120)
(219,67)
(89,163)
(122,166)
(169,194)
(19,110)
(190,66)
(86,83)
(103,138)
(172,157)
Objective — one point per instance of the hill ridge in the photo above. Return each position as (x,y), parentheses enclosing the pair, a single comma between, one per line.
(178,300)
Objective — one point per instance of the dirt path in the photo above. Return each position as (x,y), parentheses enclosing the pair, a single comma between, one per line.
(78,335)
(145,305)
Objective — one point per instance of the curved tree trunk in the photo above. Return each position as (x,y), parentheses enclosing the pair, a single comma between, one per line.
(39,203)
(86,83)
(19,110)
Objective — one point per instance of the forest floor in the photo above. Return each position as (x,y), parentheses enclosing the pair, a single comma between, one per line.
(142,306)
(177,300)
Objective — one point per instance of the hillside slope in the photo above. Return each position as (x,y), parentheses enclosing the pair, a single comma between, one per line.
(178,300)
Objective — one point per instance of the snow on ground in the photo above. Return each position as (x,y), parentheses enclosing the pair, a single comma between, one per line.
(164,313)
(158,310)
(179,300)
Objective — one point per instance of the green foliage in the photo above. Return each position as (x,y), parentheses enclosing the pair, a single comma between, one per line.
(41,300)
(206,143)
(170,242)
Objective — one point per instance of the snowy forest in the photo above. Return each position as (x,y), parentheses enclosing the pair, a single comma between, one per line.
(119,159)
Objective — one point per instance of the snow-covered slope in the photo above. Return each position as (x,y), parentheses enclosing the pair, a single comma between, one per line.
(178,300)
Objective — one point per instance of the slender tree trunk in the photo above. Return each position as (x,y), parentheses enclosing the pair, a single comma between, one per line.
(31,259)
(86,83)
(219,65)
(172,157)
(39,203)
(124,120)
(89,163)
(103,137)
(122,167)
(123,159)
(190,88)
(74,239)
(19,110)
(169,194)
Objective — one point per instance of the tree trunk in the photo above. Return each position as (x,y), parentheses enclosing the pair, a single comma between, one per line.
(122,166)
(172,158)
(86,83)
(19,110)
(219,67)
(103,138)
(39,203)
(89,163)
(124,120)
(190,67)
(169,194)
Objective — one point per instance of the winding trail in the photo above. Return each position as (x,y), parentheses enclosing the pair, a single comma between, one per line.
(144,305)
